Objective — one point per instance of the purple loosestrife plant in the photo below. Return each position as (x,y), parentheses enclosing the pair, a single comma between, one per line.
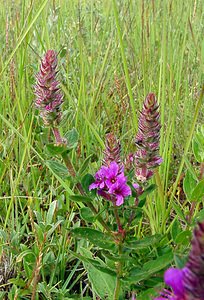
(188,283)
(49,97)
(147,140)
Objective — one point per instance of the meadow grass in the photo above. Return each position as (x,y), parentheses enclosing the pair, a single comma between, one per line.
(111,54)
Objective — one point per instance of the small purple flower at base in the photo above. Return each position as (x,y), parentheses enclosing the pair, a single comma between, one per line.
(100,177)
(121,190)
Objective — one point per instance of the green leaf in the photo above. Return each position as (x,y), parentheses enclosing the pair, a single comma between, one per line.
(147,191)
(175,229)
(199,216)
(51,212)
(63,52)
(180,260)
(116,258)
(198,144)
(39,231)
(58,168)
(184,237)
(72,137)
(87,214)
(86,181)
(97,263)
(196,151)
(151,267)
(23,254)
(96,237)
(17,281)
(102,283)
(51,230)
(198,191)
(143,243)
(159,263)
(189,184)
(56,149)
(179,212)
(80,198)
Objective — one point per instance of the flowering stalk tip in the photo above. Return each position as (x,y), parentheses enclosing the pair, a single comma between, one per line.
(49,97)
(147,140)
(110,180)
(112,151)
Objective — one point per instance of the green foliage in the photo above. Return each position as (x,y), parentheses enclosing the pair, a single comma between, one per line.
(198,144)
(110,57)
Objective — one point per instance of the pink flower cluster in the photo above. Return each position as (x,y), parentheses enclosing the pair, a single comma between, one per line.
(111,183)
(49,97)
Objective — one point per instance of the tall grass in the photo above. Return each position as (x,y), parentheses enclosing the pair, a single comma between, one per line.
(111,54)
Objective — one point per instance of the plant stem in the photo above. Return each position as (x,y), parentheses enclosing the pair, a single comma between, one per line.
(57,135)
(119,270)
(72,172)
(117,219)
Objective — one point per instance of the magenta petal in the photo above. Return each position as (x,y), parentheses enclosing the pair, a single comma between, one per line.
(120,200)
(136,185)
(126,191)
(113,169)
(174,278)
(93,186)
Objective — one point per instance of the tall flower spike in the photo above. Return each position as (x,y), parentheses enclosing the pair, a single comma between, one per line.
(112,151)
(188,283)
(49,97)
(147,140)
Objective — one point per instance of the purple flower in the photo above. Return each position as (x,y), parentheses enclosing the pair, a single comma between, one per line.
(111,183)
(174,278)
(120,190)
(100,177)
(188,283)
(112,174)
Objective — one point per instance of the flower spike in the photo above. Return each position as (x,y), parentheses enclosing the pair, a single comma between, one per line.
(49,97)
(147,140)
